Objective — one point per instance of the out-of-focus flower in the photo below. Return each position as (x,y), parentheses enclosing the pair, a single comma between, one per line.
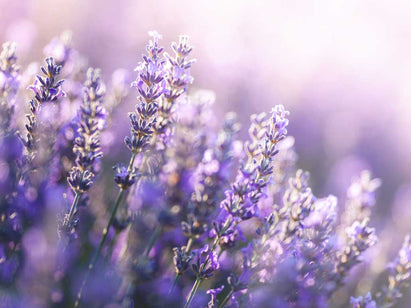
(9,84)
(360,237)
(399,276)
(60,48)
(360,198)
(363,302)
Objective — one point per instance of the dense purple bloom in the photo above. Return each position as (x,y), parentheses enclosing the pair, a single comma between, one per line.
(193,203)
(178,75)
(241,201)
(48,88)
(87,144)
(150,84)
(182,259)
(124,178)
(205,262)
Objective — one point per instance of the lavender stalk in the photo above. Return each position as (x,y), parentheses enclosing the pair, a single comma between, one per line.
(241,200)
(87,146)
(9,84)
(150,84)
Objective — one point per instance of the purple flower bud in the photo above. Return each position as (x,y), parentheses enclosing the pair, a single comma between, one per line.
(362,190)
(361,235)
(205,263)
(47,88)
(182,259)
(123,177)
(80,181)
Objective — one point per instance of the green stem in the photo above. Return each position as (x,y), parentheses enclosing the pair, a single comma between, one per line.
(131,163)
(73,207)
(153,240)
(105,233)
(100,246)
(192,292)
(64,240)
(176,277)
(215,244)
(190,243)
(226,299)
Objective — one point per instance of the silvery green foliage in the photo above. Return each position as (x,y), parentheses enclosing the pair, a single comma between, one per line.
(196,218)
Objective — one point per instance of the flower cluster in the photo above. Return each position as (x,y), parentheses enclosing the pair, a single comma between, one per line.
(9,84)
(178,78)
(46,89)
(87,145)
(151,85)
(196,218)
(399,276)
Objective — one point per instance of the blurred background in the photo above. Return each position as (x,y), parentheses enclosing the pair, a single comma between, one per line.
(343,69)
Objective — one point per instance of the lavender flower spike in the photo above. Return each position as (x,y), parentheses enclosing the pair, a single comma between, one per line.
(206,263)
(360,238)
(9,84)
(399,276)
(178,77)
(360,198)
(150,84)
(241,201)
(46,89)
(87,146)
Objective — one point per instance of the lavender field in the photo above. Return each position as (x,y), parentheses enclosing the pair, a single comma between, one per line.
(205,154)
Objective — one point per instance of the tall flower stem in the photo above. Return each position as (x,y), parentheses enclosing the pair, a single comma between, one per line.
(226,299)
(153,239)
(190,243)
(213,248)
(175,281)
(105,233)
(193,292)
(74,206)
